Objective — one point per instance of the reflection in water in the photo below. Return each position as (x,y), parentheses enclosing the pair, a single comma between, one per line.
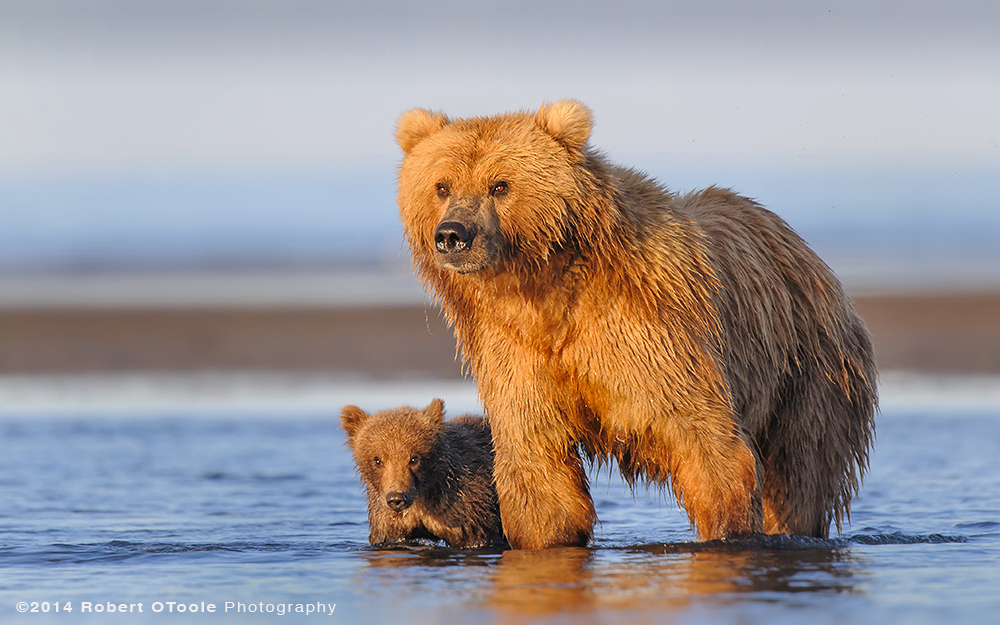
(548,580)
(637,578)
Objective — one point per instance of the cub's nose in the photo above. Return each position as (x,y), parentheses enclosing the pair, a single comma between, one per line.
(396,501)
(452,236)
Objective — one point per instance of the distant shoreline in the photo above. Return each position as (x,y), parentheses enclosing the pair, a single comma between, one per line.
(952,333)
(375,284)
(935,333)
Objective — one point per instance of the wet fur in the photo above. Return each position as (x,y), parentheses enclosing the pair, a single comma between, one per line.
(449,489)
(695,339)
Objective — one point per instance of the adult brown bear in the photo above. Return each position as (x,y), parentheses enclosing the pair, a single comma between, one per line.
(695,338)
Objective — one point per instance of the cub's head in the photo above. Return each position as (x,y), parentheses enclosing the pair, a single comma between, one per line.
(395,450)
(473,192)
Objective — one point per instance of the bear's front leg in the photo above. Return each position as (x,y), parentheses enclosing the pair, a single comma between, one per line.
(541,483)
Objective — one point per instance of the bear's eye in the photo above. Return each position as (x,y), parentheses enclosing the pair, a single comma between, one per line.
(499,188)
(442,190)
(377,461)
(414,461)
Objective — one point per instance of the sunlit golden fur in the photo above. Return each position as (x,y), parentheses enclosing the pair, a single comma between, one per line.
(693,338)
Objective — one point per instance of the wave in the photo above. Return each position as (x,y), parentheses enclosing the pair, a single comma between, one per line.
(117,551)
(901,538)
(784,542)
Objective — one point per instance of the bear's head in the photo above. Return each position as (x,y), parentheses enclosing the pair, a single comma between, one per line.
(474,192)
(396,451)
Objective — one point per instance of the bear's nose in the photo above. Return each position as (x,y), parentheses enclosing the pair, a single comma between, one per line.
(396,501)
(452,236)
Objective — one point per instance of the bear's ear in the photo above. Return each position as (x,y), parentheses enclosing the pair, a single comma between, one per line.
(351,419)
(415,125)
(435,410)
(568,121)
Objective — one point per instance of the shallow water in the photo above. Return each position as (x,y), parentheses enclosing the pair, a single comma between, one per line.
(157,496)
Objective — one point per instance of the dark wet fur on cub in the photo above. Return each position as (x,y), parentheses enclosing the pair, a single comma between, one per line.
(426,477)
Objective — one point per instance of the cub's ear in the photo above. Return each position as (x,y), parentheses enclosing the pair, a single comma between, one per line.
(415,125)
(435,410)
(351,419)
(568,121)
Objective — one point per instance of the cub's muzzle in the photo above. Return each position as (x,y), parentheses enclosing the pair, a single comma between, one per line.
(396,500)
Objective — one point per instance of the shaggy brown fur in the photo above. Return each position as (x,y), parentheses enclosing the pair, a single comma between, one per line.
(426,477)
(695,339)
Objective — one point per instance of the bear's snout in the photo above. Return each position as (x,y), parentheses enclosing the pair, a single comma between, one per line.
(396,500)
(453,236)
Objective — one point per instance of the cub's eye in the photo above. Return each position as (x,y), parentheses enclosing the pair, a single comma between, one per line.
(499,188)
(414,461)
(377,461)
(442,190)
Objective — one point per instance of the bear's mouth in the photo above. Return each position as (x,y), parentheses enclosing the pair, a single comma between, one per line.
(461,266)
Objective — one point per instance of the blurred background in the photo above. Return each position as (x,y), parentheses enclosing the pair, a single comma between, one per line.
(201,264)
(209,184)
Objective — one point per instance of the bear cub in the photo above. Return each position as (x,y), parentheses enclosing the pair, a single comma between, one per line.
(426,477)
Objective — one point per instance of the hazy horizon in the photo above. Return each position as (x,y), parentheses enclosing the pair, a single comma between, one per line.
(192,131)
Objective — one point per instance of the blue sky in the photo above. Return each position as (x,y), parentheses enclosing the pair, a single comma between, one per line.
(111,85)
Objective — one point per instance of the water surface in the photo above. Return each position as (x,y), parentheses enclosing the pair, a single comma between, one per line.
(213,497)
